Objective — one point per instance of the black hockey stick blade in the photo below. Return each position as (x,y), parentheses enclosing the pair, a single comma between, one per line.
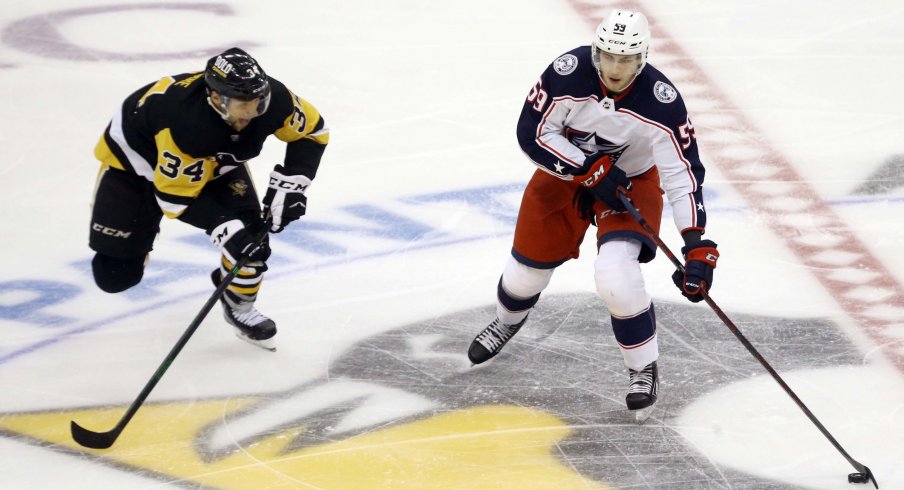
(103,440)
(865,476)
(91,439)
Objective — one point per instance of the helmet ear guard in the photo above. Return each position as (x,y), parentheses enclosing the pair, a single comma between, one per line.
(622,32)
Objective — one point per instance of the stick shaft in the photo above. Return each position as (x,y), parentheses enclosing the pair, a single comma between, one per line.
(737,332)
(103,440)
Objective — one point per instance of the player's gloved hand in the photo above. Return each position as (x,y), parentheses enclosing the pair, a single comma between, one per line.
(699,261)
(236,240)
(603,179)
(285,201)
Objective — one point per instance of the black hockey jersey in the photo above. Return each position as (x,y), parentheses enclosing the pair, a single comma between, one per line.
(569,115)
(168,133)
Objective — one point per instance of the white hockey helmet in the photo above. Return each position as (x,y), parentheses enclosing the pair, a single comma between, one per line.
(622,32)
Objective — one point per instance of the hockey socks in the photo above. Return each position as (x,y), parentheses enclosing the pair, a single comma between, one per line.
(636,337)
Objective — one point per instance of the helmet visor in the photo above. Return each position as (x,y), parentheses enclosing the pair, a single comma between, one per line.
(246,108)
(617,71)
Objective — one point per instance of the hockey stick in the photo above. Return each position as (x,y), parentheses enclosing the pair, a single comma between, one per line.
(864,475)
(103,440)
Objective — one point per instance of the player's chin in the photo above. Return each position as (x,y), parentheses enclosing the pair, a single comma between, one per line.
(615,84)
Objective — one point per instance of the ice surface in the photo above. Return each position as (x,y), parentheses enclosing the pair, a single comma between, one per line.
(380,288)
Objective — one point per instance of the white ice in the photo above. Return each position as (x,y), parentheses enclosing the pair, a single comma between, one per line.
(422,99)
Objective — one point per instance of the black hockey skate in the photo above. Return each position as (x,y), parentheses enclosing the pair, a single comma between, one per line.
(642,391)
(490,341)
(250,325)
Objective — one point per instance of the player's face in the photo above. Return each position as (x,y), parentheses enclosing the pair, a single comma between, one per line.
(617,70)
(239,113)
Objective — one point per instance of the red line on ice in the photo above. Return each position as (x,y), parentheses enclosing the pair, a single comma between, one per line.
(857,280)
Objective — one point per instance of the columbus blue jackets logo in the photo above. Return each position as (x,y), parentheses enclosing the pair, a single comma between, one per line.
(591,143)
(565,64)
(664,92)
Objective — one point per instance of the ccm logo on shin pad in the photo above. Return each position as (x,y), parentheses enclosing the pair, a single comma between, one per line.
(113,232)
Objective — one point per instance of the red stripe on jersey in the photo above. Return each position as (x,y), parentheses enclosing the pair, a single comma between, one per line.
(693,210)
(687,164)
(543,123)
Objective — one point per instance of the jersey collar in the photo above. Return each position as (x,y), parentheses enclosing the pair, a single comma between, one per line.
(620,96)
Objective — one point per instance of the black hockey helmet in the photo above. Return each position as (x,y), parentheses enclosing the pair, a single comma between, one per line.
(235,74)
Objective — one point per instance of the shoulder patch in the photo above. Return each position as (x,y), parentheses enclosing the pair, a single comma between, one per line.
(565,64)
(664,92)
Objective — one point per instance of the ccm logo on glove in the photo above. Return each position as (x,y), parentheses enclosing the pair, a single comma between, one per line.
(700,262)
(604,179)
(288,185)
(598,173)
(285,201)
(235,240)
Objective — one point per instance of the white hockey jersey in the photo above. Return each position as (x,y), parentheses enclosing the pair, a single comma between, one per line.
(569,115)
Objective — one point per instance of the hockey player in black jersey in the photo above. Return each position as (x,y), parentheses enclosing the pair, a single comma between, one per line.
(179,147)
(600,118)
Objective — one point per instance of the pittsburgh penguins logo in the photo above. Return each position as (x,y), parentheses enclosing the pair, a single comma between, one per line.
(407,402)
(239,187)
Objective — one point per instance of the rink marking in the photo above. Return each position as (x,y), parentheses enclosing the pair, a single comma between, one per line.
(751,165)
(854,277)
(283,271)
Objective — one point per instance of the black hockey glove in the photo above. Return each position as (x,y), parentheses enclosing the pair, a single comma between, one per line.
(285,201)
(236,240)
(603,179)
(699,262)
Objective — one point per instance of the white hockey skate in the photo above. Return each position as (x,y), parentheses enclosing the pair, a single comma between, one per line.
(250,325)
(642,389)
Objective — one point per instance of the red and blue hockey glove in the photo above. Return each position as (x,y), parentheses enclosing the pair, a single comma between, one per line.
(699,262)
(285,201)
(603,178)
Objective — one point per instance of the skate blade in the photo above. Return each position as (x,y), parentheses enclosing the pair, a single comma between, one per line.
(266,344)
(641,415)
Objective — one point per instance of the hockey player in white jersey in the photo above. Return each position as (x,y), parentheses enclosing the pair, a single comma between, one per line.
(599,118)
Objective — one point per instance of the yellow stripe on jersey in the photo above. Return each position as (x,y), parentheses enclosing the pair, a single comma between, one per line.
(178,173)
(157,88)
(188,81)
(301,123)
(103,153)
